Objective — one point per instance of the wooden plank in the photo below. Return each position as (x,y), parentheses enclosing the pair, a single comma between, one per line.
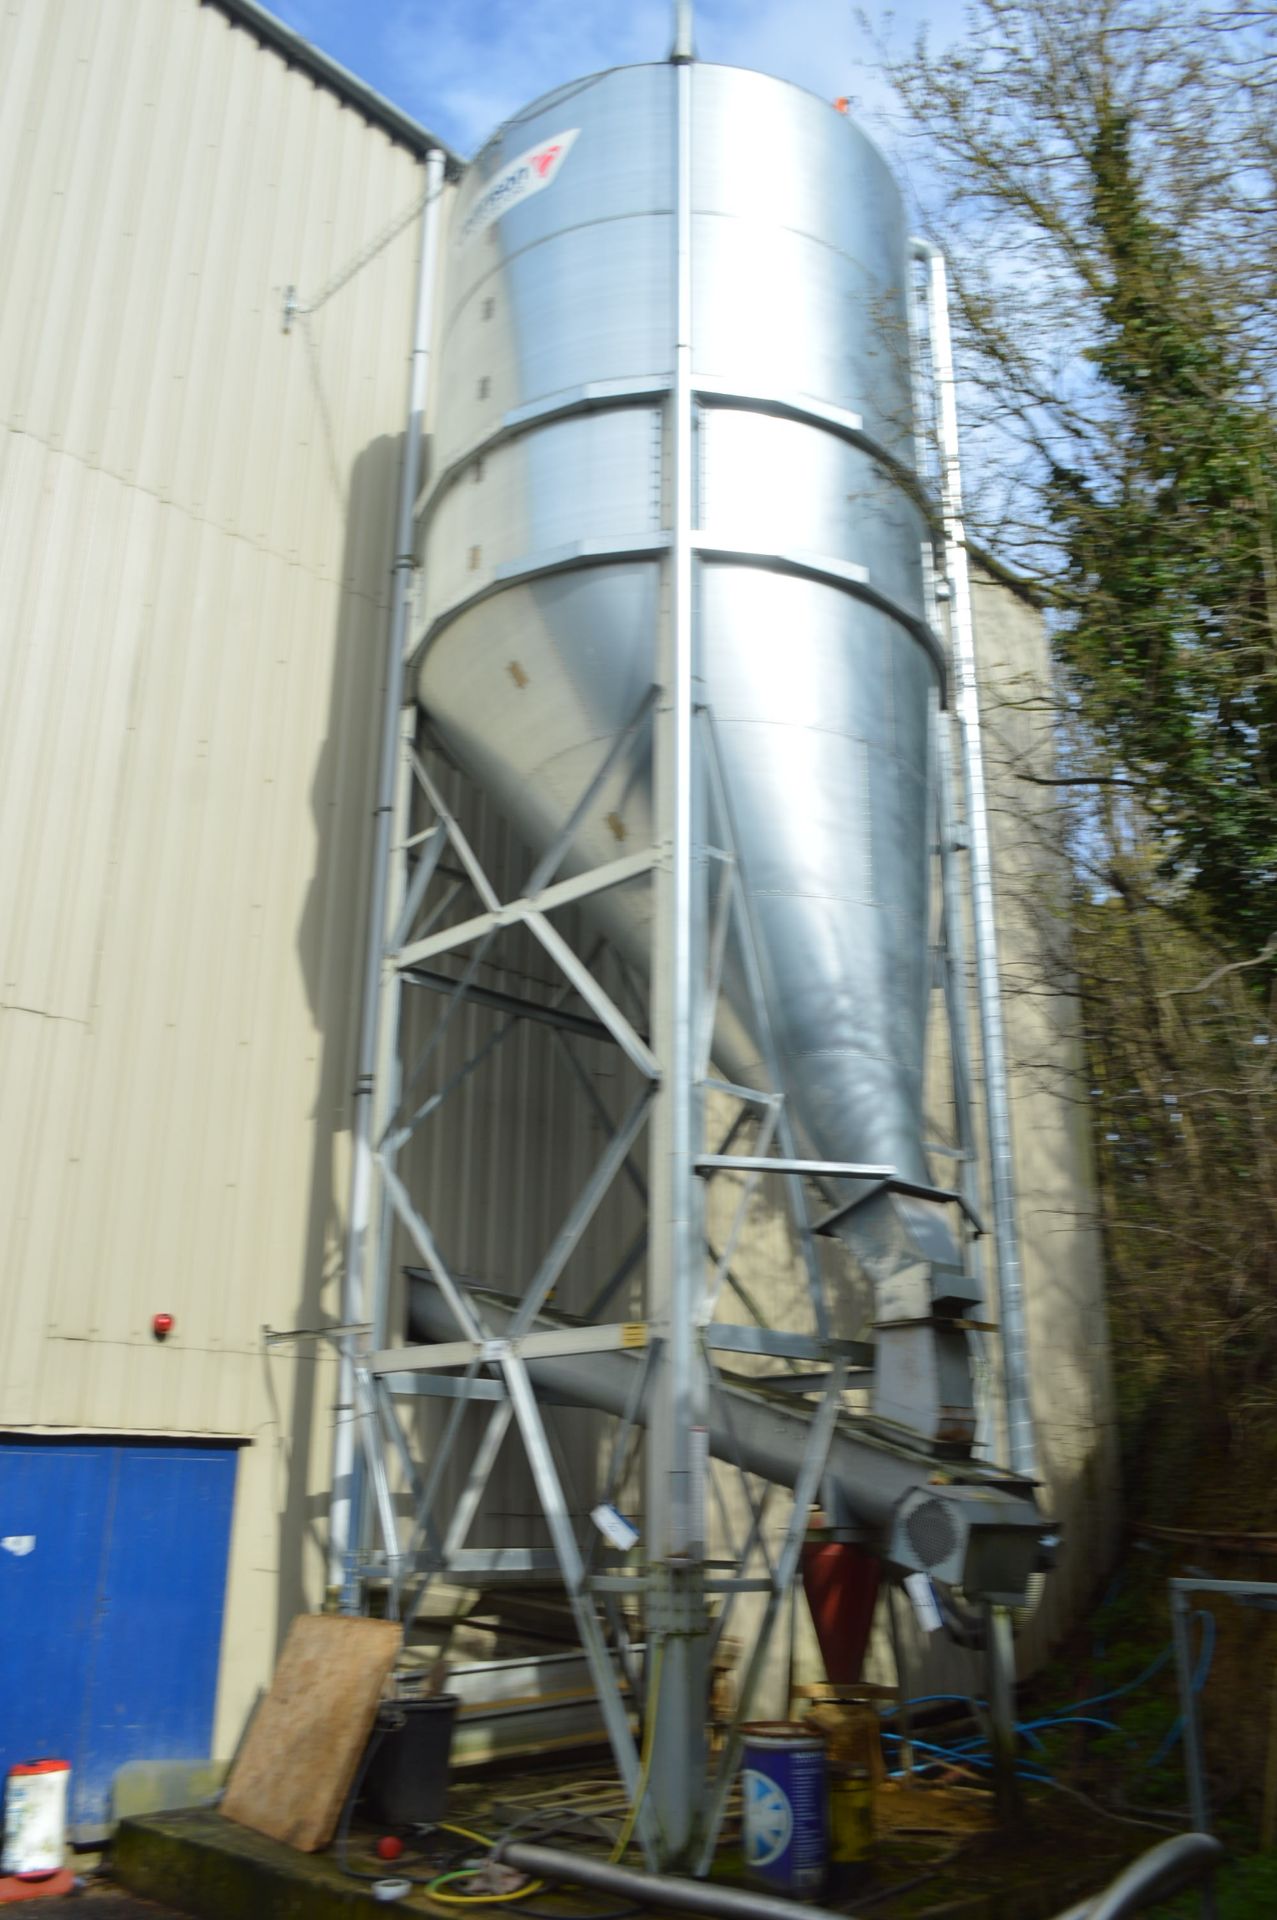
(299,1756)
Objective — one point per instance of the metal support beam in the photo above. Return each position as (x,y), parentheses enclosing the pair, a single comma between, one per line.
(999,1661)
(575,971)
(710,1163)
(903,1689)
(571,1566)
(532,1346)
(1181,1623)
(517,1005)
(612,1159)
(1247,1593)
(726,1338)
(564,893)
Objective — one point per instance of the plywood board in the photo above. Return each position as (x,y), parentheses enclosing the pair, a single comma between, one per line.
(299,1756)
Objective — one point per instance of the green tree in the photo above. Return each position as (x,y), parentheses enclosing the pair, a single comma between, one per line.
(1168,585)
(1103,174)
(1103,170)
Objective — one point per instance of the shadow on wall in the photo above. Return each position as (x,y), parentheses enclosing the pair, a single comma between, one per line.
(330,948)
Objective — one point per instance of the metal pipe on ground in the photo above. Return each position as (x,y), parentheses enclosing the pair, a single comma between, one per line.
(1176,1863)
(650,1889)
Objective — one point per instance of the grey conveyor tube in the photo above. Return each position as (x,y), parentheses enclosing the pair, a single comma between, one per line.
(746,1426)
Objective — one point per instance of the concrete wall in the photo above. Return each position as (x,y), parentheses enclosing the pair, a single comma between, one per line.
(1071,1375)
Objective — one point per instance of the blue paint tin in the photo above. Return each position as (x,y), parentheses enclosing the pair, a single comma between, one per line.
(784,1808)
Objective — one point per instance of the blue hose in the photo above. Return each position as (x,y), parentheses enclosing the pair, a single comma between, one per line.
(1096,1700)
(1069,1720)
(972,1751)
(1129,1686)
(965,1760)
(1205,1654)
(925,1699)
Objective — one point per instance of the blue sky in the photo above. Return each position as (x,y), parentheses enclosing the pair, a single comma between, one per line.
(462,66)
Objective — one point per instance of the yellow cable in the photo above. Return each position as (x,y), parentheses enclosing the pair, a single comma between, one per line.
(467,1873)
(645,1767)
(466,1833)
(477,1899)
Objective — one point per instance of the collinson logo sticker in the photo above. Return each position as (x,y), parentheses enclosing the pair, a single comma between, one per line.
(531,173)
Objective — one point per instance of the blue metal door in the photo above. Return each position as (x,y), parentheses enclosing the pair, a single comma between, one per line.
(112,1579)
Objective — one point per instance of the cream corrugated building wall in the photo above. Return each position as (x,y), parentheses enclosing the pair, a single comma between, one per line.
(196,517)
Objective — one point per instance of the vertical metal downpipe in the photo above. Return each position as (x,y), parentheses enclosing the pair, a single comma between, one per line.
(1021,1451)
(984,1445)
(345,1501)
(677,1462)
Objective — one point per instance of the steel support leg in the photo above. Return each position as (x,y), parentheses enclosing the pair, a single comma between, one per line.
(1181,1621)
(612,1706)
(1198,1799)
(902,1676)
(999,1654)
(677,1454)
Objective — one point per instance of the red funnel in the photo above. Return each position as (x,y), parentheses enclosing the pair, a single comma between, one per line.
(841,1584)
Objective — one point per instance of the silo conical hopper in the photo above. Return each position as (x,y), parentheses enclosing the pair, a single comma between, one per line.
(547,526)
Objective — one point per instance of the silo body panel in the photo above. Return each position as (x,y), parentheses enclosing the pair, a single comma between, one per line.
(544,549)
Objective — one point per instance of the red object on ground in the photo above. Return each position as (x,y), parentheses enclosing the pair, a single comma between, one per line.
(35,1804)
(13,1889)
(841,1584)
(389,1847)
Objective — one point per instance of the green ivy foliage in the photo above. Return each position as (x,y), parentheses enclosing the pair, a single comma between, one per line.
(1169,581)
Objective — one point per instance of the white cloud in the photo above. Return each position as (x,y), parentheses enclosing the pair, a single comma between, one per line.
(463,66)
(465,69)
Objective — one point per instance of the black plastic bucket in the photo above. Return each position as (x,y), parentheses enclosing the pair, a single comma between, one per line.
(406,1784)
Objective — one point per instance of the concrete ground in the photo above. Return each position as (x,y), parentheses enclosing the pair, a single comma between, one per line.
(94,1903)
(217,1871)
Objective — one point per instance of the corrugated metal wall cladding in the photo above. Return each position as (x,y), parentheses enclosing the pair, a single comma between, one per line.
(175,180)
(196,518)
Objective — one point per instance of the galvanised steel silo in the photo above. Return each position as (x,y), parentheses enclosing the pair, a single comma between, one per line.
(672,483)
(548,518)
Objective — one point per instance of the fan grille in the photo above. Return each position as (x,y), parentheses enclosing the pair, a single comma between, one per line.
(932,1532)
